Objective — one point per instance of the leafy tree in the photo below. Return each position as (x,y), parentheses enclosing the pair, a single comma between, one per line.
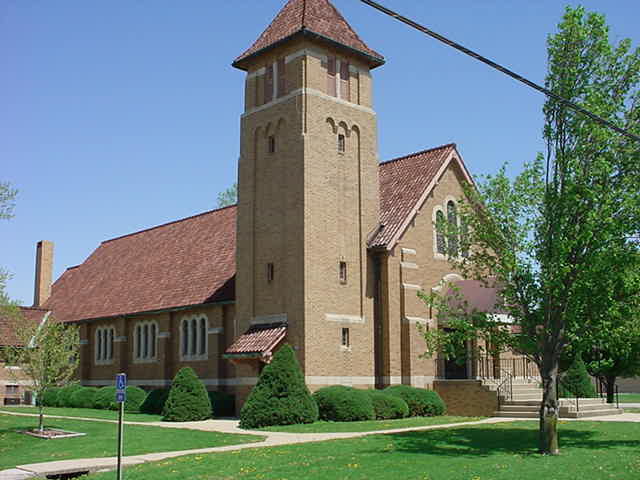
(280,397)
(228,197)
(551,237)
(7,203)
(48,355)
(188,400)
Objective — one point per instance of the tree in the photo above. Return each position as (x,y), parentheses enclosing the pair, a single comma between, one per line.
(47,354)
(7,203)
(280,397)
(188,400)
(228,197)
(550,238)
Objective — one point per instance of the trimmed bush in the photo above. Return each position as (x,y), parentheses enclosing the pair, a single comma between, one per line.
(388,406)
(83,397)
(50,397)
(64,395)
(344,404)
(421,402)
(154,403)
(135,398)
(576,381)
(105,398)
(222,404)
(188,400)
(280,397)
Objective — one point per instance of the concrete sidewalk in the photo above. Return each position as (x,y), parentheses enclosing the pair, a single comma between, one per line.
(231,426)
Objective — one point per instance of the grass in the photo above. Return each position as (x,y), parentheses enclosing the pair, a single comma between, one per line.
(630,398)
(505,451)
(100,441)
(632,410)
(86,413)
(369,426)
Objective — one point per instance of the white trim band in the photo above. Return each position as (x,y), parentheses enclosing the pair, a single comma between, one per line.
(215,331)
(411,286)
(334,317)
(120,339)
(411,265)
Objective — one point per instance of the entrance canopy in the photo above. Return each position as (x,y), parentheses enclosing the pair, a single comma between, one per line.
(257,343)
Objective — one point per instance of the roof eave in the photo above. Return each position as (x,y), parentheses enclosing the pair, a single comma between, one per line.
(373,61)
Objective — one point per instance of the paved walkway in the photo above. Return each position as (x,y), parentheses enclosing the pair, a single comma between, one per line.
(231,426)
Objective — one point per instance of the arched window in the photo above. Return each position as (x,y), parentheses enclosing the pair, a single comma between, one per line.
(440,224)
(203,337)
(110,344)
(194,337)
(104,344)
(452,228)
(185,338)
(146,337)
(99,344)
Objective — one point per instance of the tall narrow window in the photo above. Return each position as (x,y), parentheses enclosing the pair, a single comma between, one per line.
(139,341)
(341,143)
(110,345)
(145,341)
(282,78)
(271,144)
(440,225)
(452,227)
(203,337)
(345,87)
(194,337)
(152,339)
(331,77)
(343,272)
(270,272)
(99,345)
(185,338)
(345,338)
(268,84)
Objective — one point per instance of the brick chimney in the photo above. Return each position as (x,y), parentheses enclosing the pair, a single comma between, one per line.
(44,272)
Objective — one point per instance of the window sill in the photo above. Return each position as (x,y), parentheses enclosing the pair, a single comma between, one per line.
(345,349)
(194,358)
(103,362)
(145,360)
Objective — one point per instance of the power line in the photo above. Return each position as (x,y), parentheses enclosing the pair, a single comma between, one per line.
(500,68)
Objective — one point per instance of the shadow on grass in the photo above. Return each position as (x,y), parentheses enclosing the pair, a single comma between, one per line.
(497,440)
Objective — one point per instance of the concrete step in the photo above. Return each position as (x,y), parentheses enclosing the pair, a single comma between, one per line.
(581,407)
(537,398)
(516,414)
(592,413)
(535,403)
(519,408)
(583,401)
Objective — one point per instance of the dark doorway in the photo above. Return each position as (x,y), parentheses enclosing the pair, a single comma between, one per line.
(456,368)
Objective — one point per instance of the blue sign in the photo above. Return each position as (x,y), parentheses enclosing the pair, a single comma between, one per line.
(121,381)
(121,397)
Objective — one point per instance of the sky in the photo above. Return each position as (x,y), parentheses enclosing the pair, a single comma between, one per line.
(118,116)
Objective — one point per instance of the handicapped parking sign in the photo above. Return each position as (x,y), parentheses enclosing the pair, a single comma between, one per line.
(121,387)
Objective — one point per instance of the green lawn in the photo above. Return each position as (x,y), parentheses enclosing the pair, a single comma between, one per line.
(370,426)
(506,451)
(630,398)
(631,410)
(86,413)
(100,441)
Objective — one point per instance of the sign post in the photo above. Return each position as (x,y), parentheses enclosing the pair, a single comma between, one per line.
(121,397)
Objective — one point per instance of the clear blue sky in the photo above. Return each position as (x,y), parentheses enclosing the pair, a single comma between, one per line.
(121,115)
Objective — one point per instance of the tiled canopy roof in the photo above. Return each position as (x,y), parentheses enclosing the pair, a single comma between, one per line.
(259,340)
(7,331)
(402,183)
(187,262)
(192,261)
(317,17)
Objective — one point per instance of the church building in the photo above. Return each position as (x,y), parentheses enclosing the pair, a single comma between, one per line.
(325,250)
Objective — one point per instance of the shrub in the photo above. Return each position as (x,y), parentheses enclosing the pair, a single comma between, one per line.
(222,404)
(154,403)
(344,404)
(421,402)
(187,400)
(64,395)
(83,397)
(49,397)
(280,397)
(576,381)
(135,398)
(388,406)
(105,398)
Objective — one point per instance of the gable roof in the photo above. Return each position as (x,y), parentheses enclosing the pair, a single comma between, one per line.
(192,261)
(186,262)
(7,332)
(259,341)
(403,183)
(317,18)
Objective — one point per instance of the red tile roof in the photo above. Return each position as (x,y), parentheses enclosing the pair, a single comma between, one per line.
(259,339)
(7,330)
(186,262)
(403,181)
(318,17)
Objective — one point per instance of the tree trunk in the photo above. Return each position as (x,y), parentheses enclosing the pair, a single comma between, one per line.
(611,385)
(549,409)
(41,417)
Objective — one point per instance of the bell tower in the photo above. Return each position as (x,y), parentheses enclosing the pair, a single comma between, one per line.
(308,192)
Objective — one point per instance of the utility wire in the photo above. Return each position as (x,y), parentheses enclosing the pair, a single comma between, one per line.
(500,68)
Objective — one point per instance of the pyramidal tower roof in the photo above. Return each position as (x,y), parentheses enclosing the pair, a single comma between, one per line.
(317,19)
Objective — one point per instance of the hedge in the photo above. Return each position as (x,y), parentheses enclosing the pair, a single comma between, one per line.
(105,398)
(188,400)
(49,397)
(344,404)
(421,402)
(64,395)
(388,406)
(154,403)
(280,397)
(83,397)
